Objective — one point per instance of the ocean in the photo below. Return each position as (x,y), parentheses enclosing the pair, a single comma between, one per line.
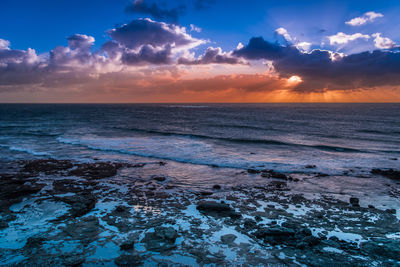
(335,138)
(199,184)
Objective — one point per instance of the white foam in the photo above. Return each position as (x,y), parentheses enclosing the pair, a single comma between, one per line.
(184,149)
(26,150)
(333,250)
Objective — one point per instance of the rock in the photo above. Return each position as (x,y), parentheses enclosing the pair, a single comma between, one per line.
(128,260)
(275,231)
(96,170)
(217,209)
(390,173)
(334,238)
(274,174)
(162,163)
(391,211)
(127,245)
(121,208)
(213,206)
(85,229)
(278,185)
(305,232)
(162,239)
(249,224)
(3,224)
(384,247)
(168,233)
(47,166)
(253,171)
(310,166)
(159,178)
(311,240)
(371,206)
(228,239)
(74,261)
(138,165)
(80,204)
(354,201)
(206,193)
(13,188)
(217,187)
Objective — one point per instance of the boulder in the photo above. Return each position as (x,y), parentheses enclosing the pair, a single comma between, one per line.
(228,238)
(217,187)
(47,166)
(159,178)
(96,170)
(128,260)
(217,209)
(354,201)
(127,245)
(162,239)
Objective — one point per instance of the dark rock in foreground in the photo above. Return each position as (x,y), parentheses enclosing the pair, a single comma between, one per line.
(217,209)
(162,239)
(128,260)
(80,204)
(96,170)
(355,202)
(228,239)
(48,166)
(127,245)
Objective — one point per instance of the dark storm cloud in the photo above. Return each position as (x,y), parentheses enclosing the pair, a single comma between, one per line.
(18,66)
(156,11)
(147,32)
(321,69)
(147,54)
(140,42)
(145,41)
(212,56)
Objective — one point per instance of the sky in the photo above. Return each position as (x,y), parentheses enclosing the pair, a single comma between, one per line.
(125,51)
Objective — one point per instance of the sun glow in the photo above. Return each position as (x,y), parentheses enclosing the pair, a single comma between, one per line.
(295,79)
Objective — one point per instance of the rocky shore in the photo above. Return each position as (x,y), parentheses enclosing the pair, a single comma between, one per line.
(66,213)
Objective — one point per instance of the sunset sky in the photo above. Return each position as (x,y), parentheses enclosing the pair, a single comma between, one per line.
(199,51)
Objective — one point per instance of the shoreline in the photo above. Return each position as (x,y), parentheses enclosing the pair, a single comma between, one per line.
(118,214)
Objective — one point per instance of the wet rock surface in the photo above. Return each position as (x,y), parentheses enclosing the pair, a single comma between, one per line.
(63,213)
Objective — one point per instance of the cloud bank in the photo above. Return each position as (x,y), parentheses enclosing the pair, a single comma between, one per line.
(148,60)
(325,70)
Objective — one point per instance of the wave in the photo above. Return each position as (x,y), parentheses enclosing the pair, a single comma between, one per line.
(378,132)
(246,140)
(25,150)
(242,127)
(198,153)
(38,134)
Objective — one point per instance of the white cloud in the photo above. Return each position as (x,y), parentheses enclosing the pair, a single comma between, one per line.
(4,44)
(304,46)
(382,42)
(284,33)
(365,18)
(194,28)
(342,38)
